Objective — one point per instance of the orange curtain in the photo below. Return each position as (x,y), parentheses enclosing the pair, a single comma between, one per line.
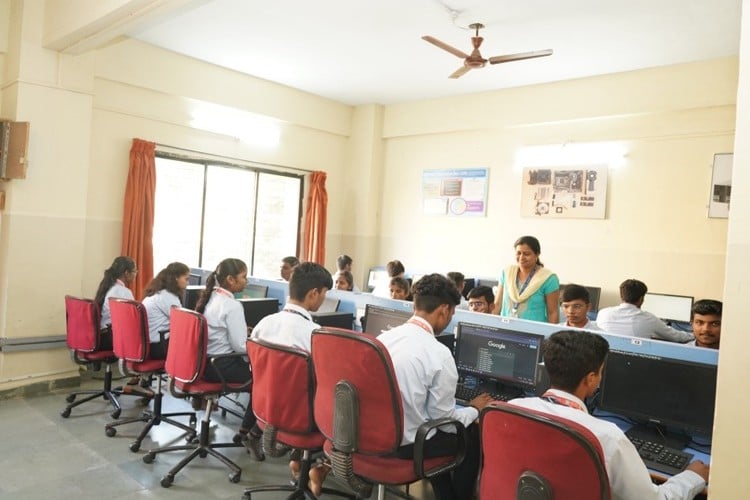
(315,220)
(138,215)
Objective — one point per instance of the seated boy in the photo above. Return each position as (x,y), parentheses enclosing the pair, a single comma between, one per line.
(481,299)
(705,316)
(575,304)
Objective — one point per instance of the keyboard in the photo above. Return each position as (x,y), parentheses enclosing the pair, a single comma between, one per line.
(661,458)
(464,394)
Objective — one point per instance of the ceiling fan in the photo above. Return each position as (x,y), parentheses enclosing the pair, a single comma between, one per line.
(475,60)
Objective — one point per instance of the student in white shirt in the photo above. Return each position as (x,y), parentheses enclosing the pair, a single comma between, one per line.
(227,333)
(344,264)
(395,269)
(114,284)
(481,299)
(427,378)
(705,317)
(575,303)
(399,289)
(575,361)
(288,264)
(162,294)
(628,318)
(343,280)
(460,281)
(293,327)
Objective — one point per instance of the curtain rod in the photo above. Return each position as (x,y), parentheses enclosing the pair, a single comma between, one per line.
(205,155)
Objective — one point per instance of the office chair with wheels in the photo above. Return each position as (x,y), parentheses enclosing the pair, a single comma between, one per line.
(358,409)
(530,455)
(185,365)
(283,389)
(83,336)
(131,344)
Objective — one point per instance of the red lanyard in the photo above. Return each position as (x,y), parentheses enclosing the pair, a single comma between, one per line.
(223,292)
(120,282)
(420,324)
(558,400)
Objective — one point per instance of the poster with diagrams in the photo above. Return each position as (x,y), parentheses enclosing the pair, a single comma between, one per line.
(460,192)
(564,192)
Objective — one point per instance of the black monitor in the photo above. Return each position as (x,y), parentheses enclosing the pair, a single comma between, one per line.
(498,355)
(469,284)
(673,393)
(192,293)
(194,279)
(257,309)
(253,291)
(487,282)
(334,319)
(668,307)
(379,319)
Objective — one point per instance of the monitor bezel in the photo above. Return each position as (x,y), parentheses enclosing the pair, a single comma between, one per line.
(692,301)
(371,307)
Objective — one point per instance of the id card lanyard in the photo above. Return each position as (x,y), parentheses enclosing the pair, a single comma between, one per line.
(521,290)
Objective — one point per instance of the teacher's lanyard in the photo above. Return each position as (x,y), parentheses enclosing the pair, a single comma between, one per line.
(522,289)
(558,400)
(421,325)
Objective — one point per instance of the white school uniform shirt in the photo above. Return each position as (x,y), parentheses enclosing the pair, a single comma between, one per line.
(227,331)
(590,325)
(629,478)
(630,320)
(291,327)
(426,376)
(118,291)
(158,307)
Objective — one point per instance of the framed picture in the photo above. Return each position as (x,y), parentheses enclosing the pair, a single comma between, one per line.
(721,186)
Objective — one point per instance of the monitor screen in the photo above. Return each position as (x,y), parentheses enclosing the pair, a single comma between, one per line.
(376,277)
(194,279)
(674,393)
(329,305)
(334,319)
(253,291)
(668,307)
(380,319)
(497,354)
(192,294)
(257,309)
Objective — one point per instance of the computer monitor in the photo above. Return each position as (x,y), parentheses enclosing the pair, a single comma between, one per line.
(334,319)
(674,393)
(498,354)
(379,319)
(257,309)
(194,279)
(469,284)
(487,282)
(253,291)
(376,276)
(192,293)
(668,307)
(329,305)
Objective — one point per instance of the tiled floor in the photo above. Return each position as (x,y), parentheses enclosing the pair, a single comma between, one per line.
(46,456)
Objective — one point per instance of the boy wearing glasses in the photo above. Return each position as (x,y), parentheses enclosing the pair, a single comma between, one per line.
(705,316)
(575,303)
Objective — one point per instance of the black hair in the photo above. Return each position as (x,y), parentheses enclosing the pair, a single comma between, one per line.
(533,244)
(225,269)
(631,291)
(482,291)
(394,268)
(434,290)
(119,267)
(348,277)
(570,355)
(342,261)
(573,292)
(167,279)
(456,277)
(706,307)
(400,282)
(291,260)
(308,276)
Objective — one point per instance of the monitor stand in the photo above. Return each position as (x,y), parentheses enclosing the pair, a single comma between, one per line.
(658,434)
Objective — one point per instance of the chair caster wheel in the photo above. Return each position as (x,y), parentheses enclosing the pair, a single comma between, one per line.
(235,478)
(247,496)
(135,446)
(144,401)
(148,458)
(203,454)
(167,481)
(70,398)
(110,431)
(65,413)
(115,414)
(191,438)
(237,438)
(192,420)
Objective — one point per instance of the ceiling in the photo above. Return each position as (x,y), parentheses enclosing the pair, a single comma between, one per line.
(371,51)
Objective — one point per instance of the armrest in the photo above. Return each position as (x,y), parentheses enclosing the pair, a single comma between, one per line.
(224,384)
(421,439)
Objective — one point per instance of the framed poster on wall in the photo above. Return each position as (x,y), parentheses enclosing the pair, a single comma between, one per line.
(564,192)
(721,186)
(460,192)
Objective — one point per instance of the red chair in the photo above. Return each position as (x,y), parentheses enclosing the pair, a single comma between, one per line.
(186,363)
(358,409)
(83,338)
(527,454)
(283,389)
(131,344)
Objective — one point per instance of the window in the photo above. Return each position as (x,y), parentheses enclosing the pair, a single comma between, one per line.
(206,212)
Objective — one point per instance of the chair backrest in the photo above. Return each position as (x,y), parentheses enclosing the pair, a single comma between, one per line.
(130,340)
(517,441)
(362,361)
(188,344)
(283,386)
(82,324)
